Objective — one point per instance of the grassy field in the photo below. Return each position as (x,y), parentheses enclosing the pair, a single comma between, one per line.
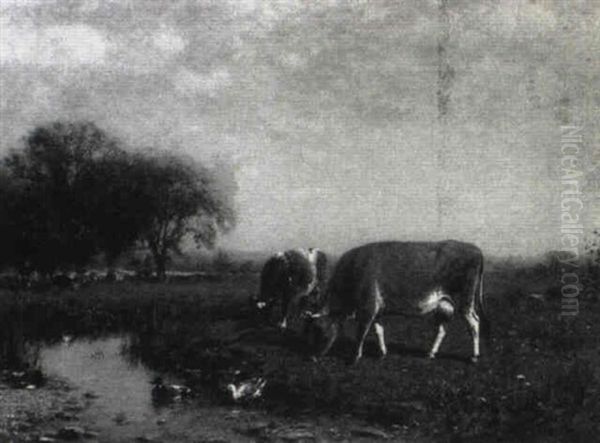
(538,380)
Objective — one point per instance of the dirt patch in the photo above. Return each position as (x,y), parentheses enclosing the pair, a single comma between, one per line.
(28,413)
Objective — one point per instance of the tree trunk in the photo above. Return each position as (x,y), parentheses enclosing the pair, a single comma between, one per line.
(160,262)
(15,346)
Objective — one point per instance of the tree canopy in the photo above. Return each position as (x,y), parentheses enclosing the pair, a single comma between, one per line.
(73,191)
(52,193)
(178,197)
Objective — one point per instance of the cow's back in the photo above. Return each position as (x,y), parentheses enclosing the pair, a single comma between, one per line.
(402,273)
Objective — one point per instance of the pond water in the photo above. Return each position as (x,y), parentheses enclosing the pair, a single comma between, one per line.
(122,409)
(121,388)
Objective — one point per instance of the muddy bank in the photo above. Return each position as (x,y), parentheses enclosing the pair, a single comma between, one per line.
(187,424)
(58,412)
(29,413)
(91,390)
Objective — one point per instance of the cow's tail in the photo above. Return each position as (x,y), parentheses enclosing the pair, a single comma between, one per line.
(484,323)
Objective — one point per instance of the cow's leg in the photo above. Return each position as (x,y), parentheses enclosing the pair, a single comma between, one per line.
(285,304)
(438,340)
(332,333)
(364,322)
(380,338)
(290,308)
(473,323)
(365,317)
(443,314)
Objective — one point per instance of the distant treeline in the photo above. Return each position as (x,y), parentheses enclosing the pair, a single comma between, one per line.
(73,192)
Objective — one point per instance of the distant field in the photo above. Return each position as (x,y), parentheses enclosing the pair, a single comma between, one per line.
(539,375)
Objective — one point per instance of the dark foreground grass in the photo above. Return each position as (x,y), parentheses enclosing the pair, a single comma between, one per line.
(539,378)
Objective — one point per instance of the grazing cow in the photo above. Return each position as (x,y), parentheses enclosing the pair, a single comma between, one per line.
(408,278)
(291,277)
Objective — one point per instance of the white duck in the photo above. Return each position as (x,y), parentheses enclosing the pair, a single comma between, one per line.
(247,390)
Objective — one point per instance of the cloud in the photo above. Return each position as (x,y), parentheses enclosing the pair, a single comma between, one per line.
(10,4)
(63,46)
(334,99)
(293,60)
(187,81)
(269,12)
(168,42)
(144,51)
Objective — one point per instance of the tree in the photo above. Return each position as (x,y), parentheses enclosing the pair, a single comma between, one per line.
(60,198)
(118,209)
(74,192)
(12,220)
(180,198)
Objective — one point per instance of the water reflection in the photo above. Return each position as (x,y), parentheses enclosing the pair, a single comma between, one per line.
(122,388)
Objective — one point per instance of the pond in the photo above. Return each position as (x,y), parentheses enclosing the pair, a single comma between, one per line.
(100,367)
(121,406)
(114,401)
(120,390)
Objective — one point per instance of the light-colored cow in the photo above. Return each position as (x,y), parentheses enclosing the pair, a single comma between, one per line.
(409,278)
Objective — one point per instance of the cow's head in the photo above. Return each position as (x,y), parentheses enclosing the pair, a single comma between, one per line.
(320,331)
(266,311)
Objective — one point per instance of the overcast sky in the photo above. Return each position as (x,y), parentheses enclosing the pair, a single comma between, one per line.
(328,110)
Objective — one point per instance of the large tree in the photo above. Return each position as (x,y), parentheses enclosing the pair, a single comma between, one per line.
(73,192)
(118,209)
(59,195)
(13,219)
(180,198)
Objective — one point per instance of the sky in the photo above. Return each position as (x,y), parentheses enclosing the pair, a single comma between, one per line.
(328,111)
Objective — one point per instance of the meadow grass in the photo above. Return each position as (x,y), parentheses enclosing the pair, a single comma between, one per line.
(539,377)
